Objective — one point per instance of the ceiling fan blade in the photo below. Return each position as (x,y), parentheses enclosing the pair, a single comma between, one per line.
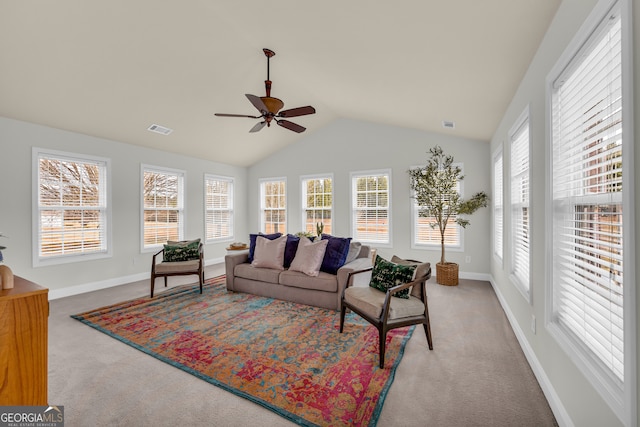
(257,102)
(295,112)
(258,126)
(236,115)
(291,126)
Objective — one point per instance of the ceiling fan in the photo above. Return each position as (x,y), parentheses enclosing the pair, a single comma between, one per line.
(269,107)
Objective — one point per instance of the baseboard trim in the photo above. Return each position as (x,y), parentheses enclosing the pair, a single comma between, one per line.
(559,411)
(110,283)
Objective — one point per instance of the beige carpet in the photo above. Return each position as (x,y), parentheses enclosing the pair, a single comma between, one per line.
(476,374)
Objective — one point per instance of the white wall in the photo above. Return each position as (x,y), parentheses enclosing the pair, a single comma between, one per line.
(127,263)
(345,146)
(576,401)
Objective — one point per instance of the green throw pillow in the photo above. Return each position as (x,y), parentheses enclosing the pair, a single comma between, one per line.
(386,275)
(181,251)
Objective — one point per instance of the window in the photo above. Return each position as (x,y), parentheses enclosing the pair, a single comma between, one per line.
(163,205)
(317,203)
(218,201)
(273,205)
(426,236)
(520,211)
(498,209)
(590,206)
(371,207)
(72,214)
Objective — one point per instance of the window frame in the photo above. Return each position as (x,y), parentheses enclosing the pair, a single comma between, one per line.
(498,205)
(388,243)
(230,208)
(621,399)
(520,281)
(303,202)
(181,208)
(435,245)
(262,182)
(105,190)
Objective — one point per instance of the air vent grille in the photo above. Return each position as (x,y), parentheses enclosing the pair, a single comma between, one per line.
(448,124)
(159,129)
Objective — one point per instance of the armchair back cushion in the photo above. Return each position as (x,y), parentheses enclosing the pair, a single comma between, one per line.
(386,275)
(422,269)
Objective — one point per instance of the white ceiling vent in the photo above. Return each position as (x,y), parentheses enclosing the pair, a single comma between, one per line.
(448,124)
(160,129)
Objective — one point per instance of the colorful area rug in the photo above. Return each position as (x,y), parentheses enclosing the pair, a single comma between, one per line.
(289,358)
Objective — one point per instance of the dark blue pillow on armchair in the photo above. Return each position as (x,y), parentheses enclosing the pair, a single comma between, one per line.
(336,253)
(252,242)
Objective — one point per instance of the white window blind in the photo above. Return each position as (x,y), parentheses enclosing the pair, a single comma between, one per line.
(587,198)
(520,211)
(317,203)
(273,206)
(370,207)
(163,205)
(498,205)
(219,207)
(72,206)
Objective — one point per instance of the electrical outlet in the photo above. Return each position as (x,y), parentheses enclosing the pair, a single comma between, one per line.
(467,259)
(533,323)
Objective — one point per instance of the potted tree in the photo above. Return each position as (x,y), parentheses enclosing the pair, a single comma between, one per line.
(435,187)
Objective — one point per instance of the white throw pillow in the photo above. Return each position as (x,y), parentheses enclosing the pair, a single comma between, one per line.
(309,256)
(269,253)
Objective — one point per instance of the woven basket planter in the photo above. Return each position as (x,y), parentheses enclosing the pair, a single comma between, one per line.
(447,274)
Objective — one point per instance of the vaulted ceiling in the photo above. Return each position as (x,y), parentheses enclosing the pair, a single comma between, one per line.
(113,68)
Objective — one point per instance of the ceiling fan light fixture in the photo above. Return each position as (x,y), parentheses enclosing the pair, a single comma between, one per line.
(273,104)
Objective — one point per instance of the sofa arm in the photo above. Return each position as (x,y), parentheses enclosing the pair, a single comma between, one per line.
(359,279)
(230,262)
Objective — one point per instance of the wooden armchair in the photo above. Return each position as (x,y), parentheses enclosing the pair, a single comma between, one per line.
(177,268)
(386,312)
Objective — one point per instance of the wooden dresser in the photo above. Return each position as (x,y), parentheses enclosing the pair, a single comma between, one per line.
(24,312)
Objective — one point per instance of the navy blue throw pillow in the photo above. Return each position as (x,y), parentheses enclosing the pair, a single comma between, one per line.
(290,249)
(252,242)
(336,253)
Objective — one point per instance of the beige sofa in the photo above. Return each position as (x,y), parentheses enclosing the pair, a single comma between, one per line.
(324,291)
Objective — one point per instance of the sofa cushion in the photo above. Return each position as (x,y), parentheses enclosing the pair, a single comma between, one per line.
(386,275)
(370,302)
(322,282)
(309,256)
(269,253)
(252,242)
(185,250)
(247,271)
(336,253)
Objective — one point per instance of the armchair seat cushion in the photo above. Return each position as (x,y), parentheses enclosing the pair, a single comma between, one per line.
(370,302)
(177,266)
